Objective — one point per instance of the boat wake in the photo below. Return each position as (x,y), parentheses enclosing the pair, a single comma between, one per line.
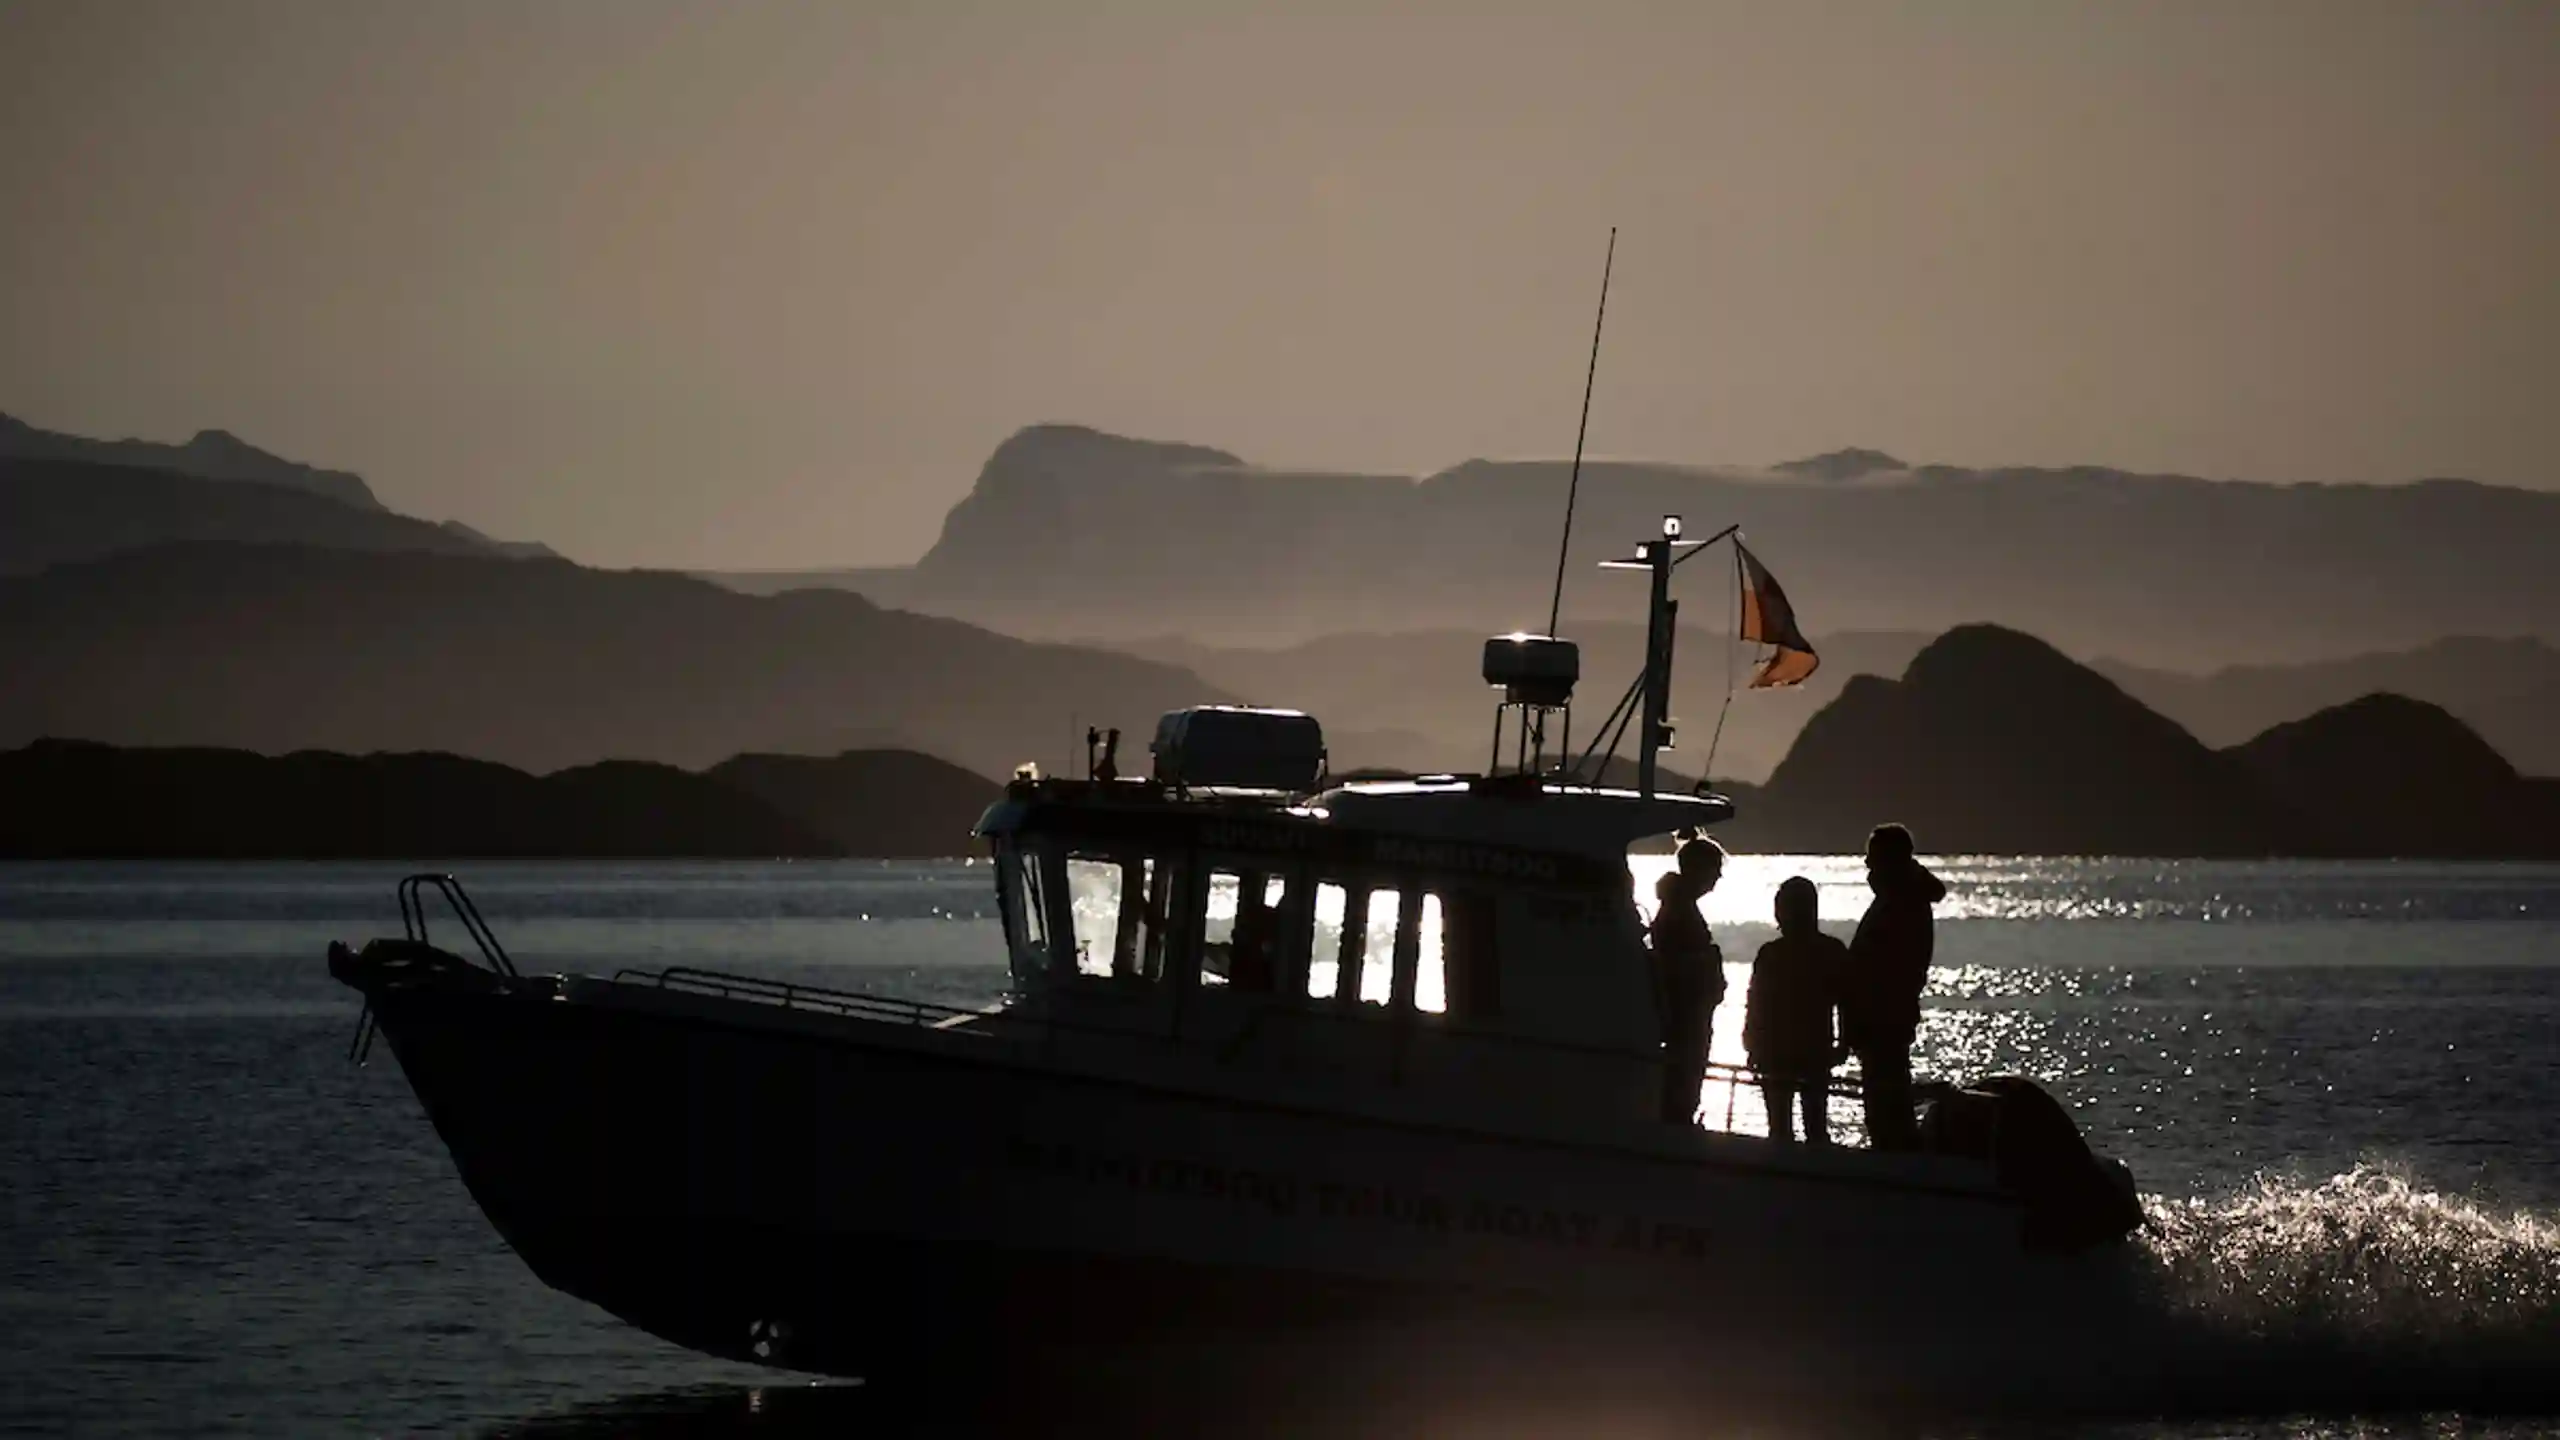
(2365,1292)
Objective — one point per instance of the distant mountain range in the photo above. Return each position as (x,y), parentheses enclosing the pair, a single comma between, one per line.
(1071,531)
(55,512)
(2506,689)
(535,663)
(512,549)
(1990,742)
(211,455)
(213,594)
(73,799)
(66,498)
(1993,741)
(868,802)
(1413,701)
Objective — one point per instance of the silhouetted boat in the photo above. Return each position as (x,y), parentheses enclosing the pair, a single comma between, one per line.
(1324,1072)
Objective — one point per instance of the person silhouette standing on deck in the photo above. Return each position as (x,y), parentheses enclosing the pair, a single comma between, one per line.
(1888,968)
(1688,975)
(1787,1022)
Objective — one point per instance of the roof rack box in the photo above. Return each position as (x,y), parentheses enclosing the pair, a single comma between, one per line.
(1237,747)
(1535,670)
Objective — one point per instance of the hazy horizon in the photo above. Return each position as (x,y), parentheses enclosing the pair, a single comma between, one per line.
(761,288)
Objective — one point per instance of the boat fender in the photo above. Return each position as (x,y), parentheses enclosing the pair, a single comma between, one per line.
(2074,1200)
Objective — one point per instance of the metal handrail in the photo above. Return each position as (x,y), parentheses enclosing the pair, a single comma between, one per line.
(1838,1085)
(863,1005)
(413,918)
(926,1014)
(920,1013)
(1734,1077)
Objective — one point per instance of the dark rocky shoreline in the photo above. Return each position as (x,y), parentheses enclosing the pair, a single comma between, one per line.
(67,799)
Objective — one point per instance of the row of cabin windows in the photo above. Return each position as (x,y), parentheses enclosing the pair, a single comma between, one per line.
(1253,928)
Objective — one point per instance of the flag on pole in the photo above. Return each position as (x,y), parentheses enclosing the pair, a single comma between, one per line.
(1768,619)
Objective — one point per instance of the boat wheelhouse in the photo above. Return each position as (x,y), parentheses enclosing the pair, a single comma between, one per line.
(1473,940)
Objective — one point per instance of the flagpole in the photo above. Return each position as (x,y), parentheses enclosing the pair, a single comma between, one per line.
(1653,682)
(1716,742)
(1703,546)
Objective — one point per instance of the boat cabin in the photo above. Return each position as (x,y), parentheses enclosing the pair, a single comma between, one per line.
(1469,936)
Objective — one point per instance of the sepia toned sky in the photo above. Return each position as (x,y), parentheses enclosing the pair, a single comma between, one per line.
(760,284)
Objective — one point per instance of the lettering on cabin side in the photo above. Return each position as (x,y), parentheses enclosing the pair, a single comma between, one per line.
(1488,860)
(1158,1175)
(1237,835)
(1419,1212)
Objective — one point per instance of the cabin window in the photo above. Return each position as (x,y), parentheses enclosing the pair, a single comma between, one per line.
(1355,934)
(1240,933)
(1324,950)
(1146,928)
(1030,908)
(1431,974)
(1378,948)
(1118,907)
(1094,887)
(1454,968)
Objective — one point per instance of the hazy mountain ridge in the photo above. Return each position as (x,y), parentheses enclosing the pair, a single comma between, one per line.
(56,512)
(1072,532)
(1852,463)
(535,663)
(882,585)
(78,799)
(1991,741)
(882,803)
(209,455)
(1066,523)
(1416,701)
(1994,742)
(67,498)
(513,549)
(2506,689)
(2390,775)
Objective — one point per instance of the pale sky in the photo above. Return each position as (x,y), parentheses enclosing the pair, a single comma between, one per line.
(760,285)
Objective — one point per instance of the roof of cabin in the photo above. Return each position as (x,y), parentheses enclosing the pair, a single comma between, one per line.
(1512,812)
(1552,816)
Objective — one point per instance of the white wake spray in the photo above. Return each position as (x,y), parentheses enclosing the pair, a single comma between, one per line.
(2366,1291)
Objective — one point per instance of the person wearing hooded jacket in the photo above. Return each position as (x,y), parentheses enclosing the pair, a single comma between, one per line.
(1688,975)
(1888,968)
(1787,1021)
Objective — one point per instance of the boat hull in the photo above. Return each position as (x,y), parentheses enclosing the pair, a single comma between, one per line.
(898,1201)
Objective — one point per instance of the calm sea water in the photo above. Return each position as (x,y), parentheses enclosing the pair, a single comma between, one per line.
(2336,1082)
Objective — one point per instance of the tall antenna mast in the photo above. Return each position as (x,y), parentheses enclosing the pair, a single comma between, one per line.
(1573,491)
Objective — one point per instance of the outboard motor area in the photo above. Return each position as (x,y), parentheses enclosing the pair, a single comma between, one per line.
(2074,1199)
(1235,747)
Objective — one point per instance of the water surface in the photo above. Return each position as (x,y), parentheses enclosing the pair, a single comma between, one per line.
(2335,1081)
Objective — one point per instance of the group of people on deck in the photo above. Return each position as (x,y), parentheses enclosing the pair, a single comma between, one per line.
(1813,1002)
